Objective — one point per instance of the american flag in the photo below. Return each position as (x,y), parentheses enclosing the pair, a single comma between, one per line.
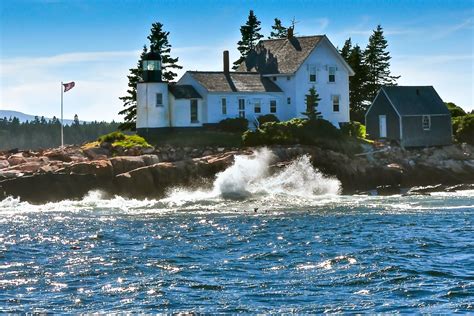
(68,86)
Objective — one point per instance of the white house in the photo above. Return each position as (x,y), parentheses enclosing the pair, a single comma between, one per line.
(274,79)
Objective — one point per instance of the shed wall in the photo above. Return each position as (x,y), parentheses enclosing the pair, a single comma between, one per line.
(382,106)
(439,134)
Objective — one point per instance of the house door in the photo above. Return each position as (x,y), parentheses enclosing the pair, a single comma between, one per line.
(382,126)
(242,108)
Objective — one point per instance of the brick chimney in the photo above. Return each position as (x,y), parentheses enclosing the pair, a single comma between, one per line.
(290,32)
(225,55)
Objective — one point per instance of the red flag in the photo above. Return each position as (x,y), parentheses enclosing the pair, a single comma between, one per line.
(68,86)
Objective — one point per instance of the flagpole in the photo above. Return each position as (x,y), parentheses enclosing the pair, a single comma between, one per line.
(62,132)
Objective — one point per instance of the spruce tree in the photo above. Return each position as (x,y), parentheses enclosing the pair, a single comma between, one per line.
(250,36)
(377,60)
(312,101)
(278,30)
(357,85)
(130,100)
(346,49)
(158,43)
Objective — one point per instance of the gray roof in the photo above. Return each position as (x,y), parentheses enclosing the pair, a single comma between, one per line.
(280,55)
(184,91)
(415,100)
(234,82)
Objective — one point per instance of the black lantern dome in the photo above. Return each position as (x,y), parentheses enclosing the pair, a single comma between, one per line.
(151,67)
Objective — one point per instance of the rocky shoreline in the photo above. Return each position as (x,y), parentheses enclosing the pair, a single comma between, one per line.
(71,172)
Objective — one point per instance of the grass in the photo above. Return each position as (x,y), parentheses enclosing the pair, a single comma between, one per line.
(122,140)
(196,138)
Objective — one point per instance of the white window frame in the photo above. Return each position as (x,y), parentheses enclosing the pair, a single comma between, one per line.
(333,98)
(426,128)
(241,108)
(313,70)
(329,74)
(276,105)
(255,102)
(224,105)
(156,100)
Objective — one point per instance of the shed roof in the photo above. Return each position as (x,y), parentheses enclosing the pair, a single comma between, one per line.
(234,81)
(184,91)
(415,100)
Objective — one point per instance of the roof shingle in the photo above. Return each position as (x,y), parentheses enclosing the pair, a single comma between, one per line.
(234,82)
(184,91)
(415,100)
(283,56)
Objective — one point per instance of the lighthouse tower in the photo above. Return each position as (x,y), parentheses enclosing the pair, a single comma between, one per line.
(152,96)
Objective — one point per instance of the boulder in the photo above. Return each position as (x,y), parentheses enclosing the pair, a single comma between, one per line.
(96,153)
(102,169)
(58,154)
(125,164)
(150,159)
(16,159)
(7,174)
(28,167)
(48,187)
(4,164)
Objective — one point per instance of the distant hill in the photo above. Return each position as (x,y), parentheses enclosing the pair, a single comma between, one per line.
(27,117)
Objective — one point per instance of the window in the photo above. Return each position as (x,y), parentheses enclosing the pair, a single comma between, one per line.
(335,103)
(332,74)
(288,78)
(224,106)
(288,100)
(257,106)
(274,78)
(312,74)
(273,106)
(159,99)
(194,111)
(242,108)
(426,122)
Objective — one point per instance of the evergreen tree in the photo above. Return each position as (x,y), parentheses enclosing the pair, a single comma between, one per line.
(346,49)
(278,30)
(377,60)
(158,43)
(130,100)
(357,85)
(312,101)
(76,120)
(250,37)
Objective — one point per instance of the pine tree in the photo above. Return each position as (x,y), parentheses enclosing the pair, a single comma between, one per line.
(377,59)
(158,43)
(279,31)
(250,37)
(312,101)
(76,120)
(130,100)
(346,49)
(357,85)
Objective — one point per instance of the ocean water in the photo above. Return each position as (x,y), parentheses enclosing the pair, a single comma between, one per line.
(251,241)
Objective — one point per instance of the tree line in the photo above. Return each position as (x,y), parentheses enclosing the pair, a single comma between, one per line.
(42,133)
(371,65)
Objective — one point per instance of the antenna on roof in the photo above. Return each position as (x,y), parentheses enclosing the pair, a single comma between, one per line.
(293,23)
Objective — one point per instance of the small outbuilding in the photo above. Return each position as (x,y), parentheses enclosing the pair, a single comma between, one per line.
(415,116)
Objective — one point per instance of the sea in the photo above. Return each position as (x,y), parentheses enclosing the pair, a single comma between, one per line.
(251,241)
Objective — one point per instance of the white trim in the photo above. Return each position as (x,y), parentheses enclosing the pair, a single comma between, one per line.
(344,63)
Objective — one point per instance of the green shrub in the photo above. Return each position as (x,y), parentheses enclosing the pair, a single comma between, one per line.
(234,125)
(262,119)
(300,131)
(126,141)
(455,110)
(463,128)
(354,129)
(111,137)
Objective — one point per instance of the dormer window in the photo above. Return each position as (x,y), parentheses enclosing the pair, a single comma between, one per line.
(312,73)
(332,74)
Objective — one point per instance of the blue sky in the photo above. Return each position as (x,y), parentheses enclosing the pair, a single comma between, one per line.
(94,43)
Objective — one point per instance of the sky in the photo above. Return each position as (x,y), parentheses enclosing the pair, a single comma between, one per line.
(95,42)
